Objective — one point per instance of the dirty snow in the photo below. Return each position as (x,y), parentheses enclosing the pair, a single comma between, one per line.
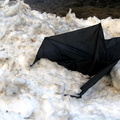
(37,93)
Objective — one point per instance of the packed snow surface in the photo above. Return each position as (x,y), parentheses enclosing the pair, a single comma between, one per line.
(37,93)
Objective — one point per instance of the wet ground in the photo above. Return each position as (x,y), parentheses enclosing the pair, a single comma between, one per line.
(81,12)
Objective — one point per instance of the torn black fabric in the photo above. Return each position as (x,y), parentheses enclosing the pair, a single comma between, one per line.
(84,50)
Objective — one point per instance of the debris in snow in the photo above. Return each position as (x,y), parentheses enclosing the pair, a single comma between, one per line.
(37,93)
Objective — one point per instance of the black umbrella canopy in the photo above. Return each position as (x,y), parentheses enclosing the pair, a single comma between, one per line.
(84,50)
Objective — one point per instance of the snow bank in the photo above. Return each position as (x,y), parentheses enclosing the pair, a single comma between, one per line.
(37,93)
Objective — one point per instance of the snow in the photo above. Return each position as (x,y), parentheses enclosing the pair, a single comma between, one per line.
(37,93)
